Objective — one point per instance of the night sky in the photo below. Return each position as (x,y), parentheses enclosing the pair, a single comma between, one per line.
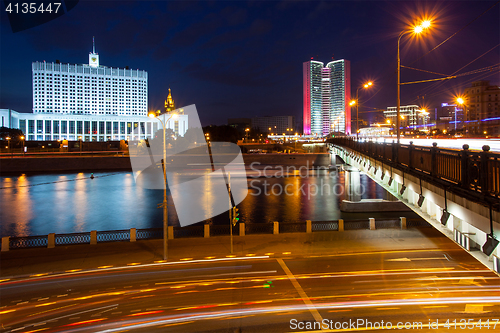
(243,59)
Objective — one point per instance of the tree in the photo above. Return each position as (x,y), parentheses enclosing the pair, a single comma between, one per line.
(194,134)
(13,133)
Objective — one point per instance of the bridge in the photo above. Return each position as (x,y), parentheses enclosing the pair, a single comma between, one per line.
(458,188)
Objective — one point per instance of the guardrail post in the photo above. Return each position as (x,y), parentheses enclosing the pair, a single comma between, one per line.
(170,232)
(410,153)
(206,228)
(5,243)
(372,223)
(395,148)
(276,228)
(464,156)
(433,159)
(403,222)
(242,228)
(484,170)
(93,237)
(341,225)
(308,226)
(133,234)
(51,240)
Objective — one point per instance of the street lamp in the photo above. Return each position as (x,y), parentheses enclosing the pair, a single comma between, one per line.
(356,102)
(461,101)
(246,132)
(22,139)
(80,139)
(164,205)
(415,30)
(8,144)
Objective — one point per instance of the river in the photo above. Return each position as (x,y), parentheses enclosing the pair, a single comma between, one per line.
(39,204)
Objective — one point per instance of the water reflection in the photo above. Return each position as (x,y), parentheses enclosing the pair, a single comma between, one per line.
(42,204)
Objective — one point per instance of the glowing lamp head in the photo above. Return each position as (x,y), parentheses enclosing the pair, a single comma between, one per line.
(151,115)
(352,103)
(418,29)
(426,24)
(460,100)
(174,115)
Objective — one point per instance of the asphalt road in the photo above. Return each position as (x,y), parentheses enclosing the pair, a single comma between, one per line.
(263,294)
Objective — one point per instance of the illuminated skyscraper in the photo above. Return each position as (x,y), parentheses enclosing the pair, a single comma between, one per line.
(326,94)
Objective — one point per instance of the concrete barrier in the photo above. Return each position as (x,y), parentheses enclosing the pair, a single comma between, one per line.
(5,243)
(403,222)
(170,232)
(341,225)
(276,228)
(242,228)
(206,230)
(308,226)
(133,234)
(93,237)
(51,240)
(372,223)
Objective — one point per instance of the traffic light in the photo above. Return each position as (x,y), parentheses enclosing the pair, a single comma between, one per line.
(235,215)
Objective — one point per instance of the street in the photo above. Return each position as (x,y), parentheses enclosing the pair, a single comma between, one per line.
(263,293)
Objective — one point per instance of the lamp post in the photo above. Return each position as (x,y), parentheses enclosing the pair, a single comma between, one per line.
(8,144)
(22,139)
(80,139)
(416,30)
(461,101)
(164,204)
(246,132)
(356,102)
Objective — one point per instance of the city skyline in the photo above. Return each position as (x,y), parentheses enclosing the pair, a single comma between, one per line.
(201,50)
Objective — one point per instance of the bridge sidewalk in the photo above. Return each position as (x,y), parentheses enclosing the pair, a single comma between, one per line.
(25,262)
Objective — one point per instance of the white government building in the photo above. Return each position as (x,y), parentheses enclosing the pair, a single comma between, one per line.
(91,102)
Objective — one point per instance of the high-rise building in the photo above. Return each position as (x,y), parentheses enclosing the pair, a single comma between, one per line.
(482,109)
(91,89)
(326,94)
(89,102)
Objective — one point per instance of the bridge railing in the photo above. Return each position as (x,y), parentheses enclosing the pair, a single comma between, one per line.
(471,173)
(132,235)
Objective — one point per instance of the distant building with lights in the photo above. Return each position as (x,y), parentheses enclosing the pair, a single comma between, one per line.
(91,102)
(326,95)
(275,124)
(411,116)
(482,110)
(169,102)
(450,117)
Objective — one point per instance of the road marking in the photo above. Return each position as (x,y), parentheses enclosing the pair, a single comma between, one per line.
(415,259)
(474,308)
(434,306)
(22,303)
(34,314)
(43,299)
(301,292)
(77,313)
(62,295)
